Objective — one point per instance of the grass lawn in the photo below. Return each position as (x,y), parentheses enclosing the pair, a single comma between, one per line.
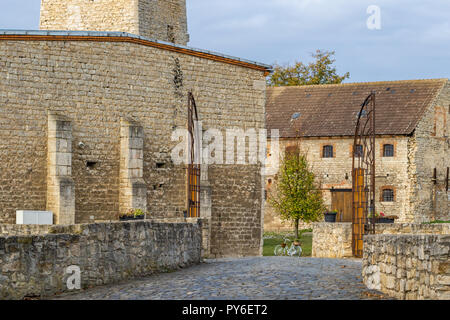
(272,239)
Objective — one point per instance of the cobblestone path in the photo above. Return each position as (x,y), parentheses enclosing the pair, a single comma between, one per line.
(263,278)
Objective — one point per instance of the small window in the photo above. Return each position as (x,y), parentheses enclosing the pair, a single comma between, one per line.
(388,195)
(388,150)
(359,151)
(328,151)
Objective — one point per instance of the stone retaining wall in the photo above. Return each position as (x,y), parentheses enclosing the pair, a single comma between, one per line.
(413,228)
(334,240)
(408,266)
(22,229)
(36,265)
(206,231)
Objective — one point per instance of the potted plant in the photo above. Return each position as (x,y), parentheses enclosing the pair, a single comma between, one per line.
(331,216)
(382,218)
(133,214)
(386,219)
(139,214)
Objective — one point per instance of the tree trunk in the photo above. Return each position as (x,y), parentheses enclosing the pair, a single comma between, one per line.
(296,228)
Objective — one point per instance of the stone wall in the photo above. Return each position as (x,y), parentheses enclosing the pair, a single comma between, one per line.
(206,231)
(334,240)
(97,84)
(429,150)
(105,253)
(411,267)
(99,15)
(337,173)
(24,230)
(163,20)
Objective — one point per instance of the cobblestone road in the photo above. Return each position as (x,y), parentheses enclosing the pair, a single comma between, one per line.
(273,278)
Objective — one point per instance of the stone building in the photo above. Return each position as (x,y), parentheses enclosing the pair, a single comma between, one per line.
(87,119)
(412,144)
(163,20)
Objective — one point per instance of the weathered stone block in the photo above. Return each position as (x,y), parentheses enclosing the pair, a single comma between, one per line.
(420,277)
(37,265)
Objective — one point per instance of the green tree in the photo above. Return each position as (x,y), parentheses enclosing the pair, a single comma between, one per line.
(296,195)
(321,71)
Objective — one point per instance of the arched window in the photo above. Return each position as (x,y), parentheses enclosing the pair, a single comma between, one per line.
(388,150)
(388,195)
(328,151)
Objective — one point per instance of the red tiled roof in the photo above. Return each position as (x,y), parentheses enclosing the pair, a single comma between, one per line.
(331,110)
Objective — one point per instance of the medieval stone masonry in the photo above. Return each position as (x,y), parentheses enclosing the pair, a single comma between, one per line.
(106,253)
(163,20)
(86,120)
(408,267)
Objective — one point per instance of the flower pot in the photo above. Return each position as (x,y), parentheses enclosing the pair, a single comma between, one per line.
(385,220)
(283,245)
(297,244)
(127,218)
(330,217)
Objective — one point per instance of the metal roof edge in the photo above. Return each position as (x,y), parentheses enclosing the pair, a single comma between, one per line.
(125,35)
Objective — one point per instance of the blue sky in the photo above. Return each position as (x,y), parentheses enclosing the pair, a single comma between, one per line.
(413,43)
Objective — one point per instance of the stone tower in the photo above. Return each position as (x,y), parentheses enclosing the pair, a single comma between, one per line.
(157,19)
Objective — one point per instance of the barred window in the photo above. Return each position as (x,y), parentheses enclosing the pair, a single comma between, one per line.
(388,150)
(359,151)
(388,195)
(328,151)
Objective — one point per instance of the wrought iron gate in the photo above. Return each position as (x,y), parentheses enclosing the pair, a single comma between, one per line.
(363,175)
(193,169)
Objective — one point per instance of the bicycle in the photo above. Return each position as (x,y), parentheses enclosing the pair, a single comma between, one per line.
(285,250)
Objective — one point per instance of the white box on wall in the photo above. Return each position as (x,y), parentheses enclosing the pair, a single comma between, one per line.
(34,217)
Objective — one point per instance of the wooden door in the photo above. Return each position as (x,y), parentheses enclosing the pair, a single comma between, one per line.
(342,202)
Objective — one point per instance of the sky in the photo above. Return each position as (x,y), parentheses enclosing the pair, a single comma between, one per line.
(413,41)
